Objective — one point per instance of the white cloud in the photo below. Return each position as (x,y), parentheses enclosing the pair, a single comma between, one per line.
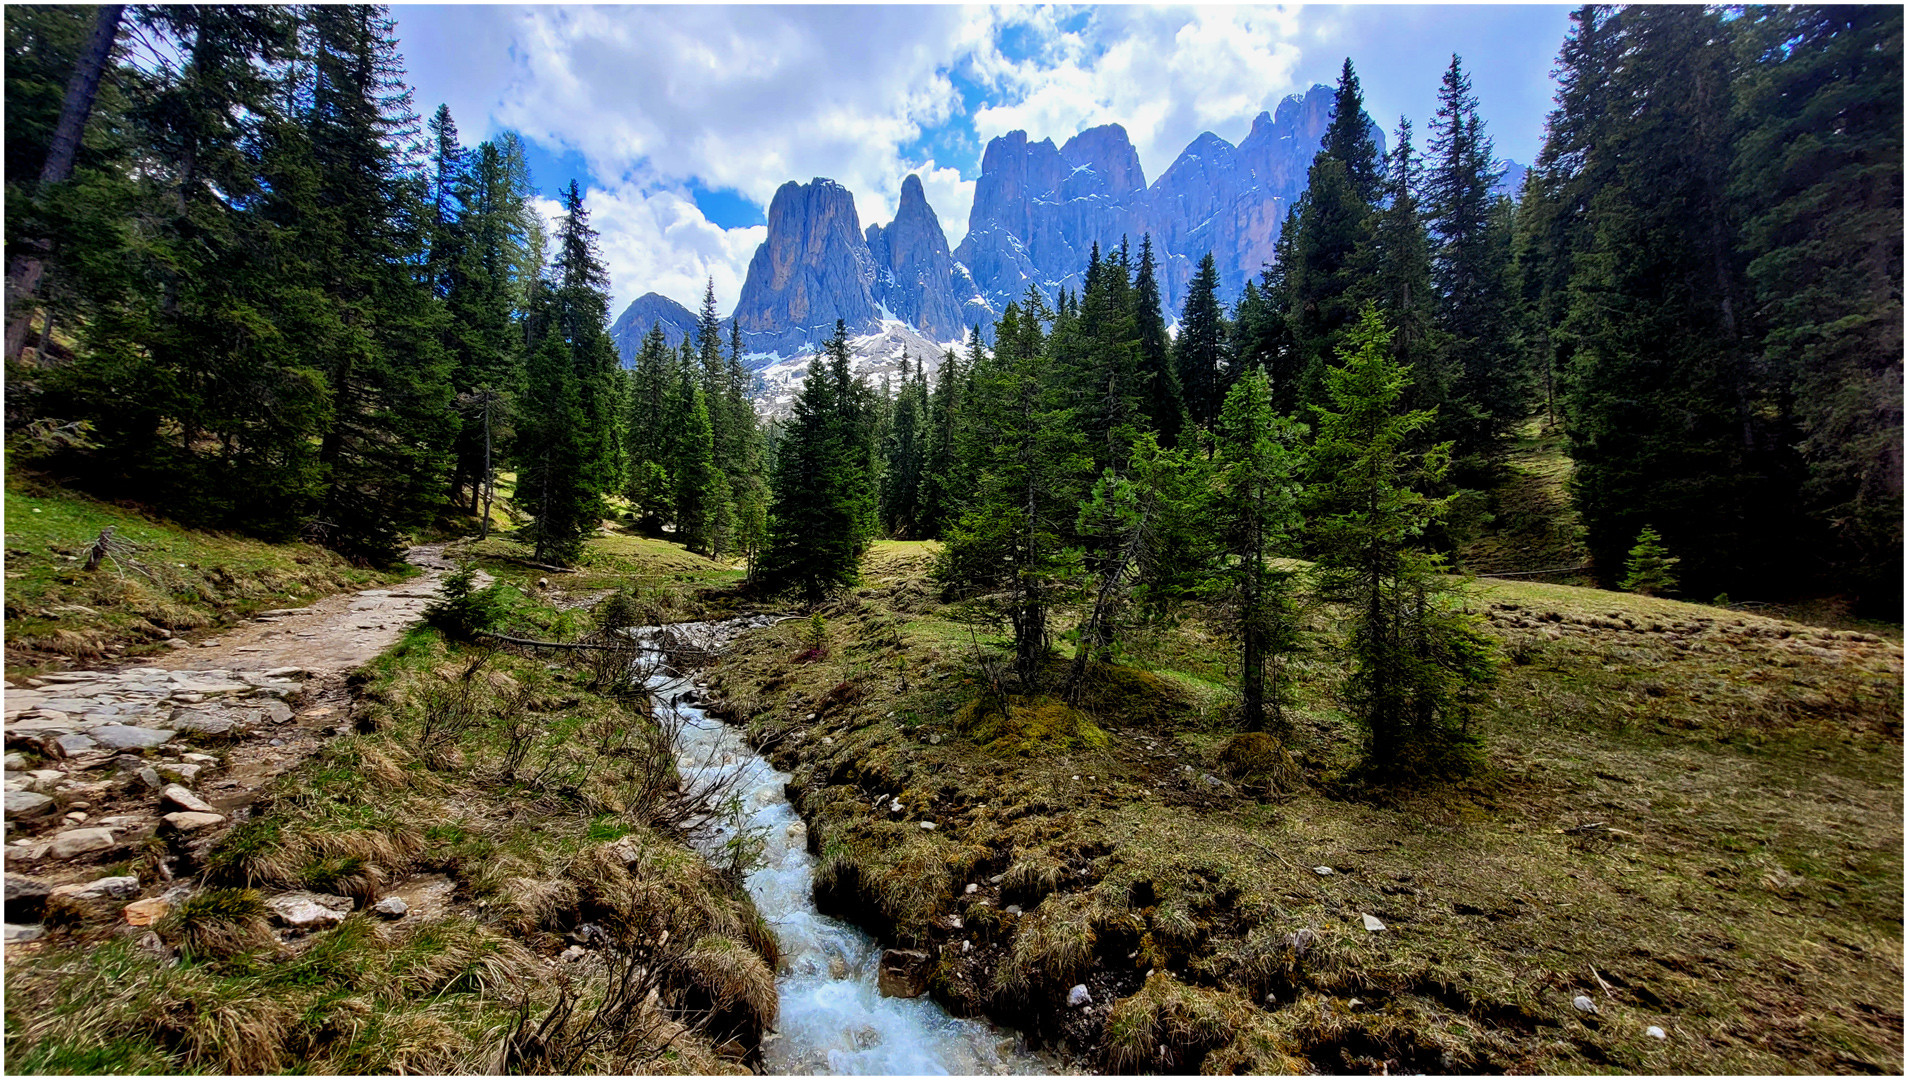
(1165,74)
(747,98)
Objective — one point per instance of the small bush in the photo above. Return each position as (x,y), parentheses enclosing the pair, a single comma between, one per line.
(218,923)
(461,613)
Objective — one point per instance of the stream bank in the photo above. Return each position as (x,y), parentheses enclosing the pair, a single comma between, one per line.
(834,1016)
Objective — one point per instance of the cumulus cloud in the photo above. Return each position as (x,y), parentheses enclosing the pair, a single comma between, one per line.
(656,99)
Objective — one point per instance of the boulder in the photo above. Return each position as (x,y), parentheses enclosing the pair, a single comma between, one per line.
(177,795)
(308,910)
(23,805)
(904,973)
(17,935)
(76,842)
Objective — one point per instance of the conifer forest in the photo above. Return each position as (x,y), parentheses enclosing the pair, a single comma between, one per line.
(1243,557)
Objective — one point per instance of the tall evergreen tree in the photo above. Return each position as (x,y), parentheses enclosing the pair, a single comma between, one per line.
(1348,138)
(1162,400)
(1255,505)
(823,494)
(1200,353)
(1415,654)
(1819,169)
(1030,462)
(1470,265)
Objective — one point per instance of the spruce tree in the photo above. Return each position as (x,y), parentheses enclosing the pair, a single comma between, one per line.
(1200,353)
(1255,509)
(1470,264)
(1650,570)
(823,498)
(551,454)
(1416,657)
(1030,462)
(1161,397)
(1819,170)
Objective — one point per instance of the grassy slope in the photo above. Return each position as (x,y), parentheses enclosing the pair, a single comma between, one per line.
(528,851)
(1741,888)
(190,579)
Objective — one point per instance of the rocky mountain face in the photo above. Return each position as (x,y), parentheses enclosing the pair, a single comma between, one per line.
(1038,210)
(647,310)
(813,269)
(916,277)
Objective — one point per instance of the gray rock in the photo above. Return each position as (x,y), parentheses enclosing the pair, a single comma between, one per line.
(179,796)
(813,268)
(148,777)
(392,907)
(76,842)
(1583,1005)
(1372,923)
(69,745)
(916,276)
(25,898)
(1078,998)
(309,911)
(22,805)
(106,888)
(20,935)
(277,712)
(181,774)
(1655,1032)
(1013,909)
(202,723)
(119,737)
(191,821)
(15,762)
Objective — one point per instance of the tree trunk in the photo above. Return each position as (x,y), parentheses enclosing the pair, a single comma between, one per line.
(25,267)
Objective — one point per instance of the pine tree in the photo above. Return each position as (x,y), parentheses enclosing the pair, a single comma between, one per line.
(551,452)
(1819,168)
(1348,138)
(579,315)
(940,482)
(905,456)
(1672,420)
(1415,654)
(818,522)
(646,436)
(1649,570)
(1255,505)
(1397,277)
(1161,398)
(1030,462)
(1470,266)
(701,490)
(1200,352)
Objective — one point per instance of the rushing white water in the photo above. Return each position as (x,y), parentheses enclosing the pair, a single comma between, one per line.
(833,1018)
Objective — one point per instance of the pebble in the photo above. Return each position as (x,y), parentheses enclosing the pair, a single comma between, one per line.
(392,907)
(1372,923)
(1078,997)
(1323,871)
(1013,909)
(1655,1032)
(927,826)
(972,888)
(1584,1005)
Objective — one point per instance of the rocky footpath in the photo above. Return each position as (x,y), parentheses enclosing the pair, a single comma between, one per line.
(149,766)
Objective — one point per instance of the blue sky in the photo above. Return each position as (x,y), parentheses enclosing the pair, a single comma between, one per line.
(680,122)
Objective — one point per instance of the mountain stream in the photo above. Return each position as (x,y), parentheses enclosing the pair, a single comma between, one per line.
(833,1018)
